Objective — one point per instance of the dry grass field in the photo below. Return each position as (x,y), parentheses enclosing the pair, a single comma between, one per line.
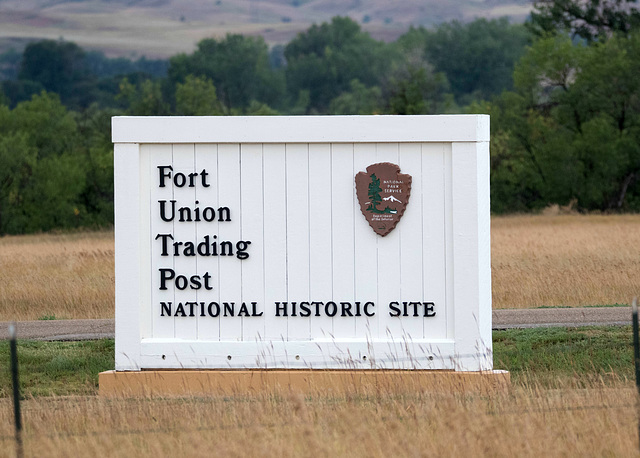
(164,28)
(571,393)
(565,260)
(597,421)
(537,260)
(57,276)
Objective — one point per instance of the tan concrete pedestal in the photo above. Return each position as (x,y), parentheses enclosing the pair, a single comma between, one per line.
(311,382)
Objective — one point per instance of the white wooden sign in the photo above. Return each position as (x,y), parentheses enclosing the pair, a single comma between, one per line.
(240,243)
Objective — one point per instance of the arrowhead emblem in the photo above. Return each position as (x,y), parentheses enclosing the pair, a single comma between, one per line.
(383,193)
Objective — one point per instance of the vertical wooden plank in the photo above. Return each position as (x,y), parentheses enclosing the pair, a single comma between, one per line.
(297,159)
(320,269)
(252,205)
(343,247)
(230,273)
(128,250)
(161,156)
(410,231)
(145,189)
(184,231)
(472,347)
(275,239)
(207,161)
(366,251)
(434,239)
(389,264)
(448,231)
(484,252)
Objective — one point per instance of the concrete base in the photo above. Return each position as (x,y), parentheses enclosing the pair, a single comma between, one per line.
(310,382)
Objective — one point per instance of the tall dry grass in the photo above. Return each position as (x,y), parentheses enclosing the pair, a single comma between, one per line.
(565,260)
(598,421)
(537,260)
(57,275)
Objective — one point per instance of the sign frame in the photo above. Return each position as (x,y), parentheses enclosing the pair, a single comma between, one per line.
(467,346)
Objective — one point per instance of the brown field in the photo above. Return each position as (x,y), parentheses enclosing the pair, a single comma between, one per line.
(596,421)
(561,260)
(63,276)
(537,260)
(164,28)
(565,260)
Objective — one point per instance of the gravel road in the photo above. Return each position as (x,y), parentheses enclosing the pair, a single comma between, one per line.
(502,319)
(61,329)
(553,317)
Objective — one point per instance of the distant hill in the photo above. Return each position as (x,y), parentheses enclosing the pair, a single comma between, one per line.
(162,28)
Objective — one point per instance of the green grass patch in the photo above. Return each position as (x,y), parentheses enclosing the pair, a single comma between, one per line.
(582,306)
(57,368)
(607,305)
(547,357)
(558,356)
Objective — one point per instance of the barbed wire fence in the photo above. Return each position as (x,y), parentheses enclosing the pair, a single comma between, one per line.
(217,427)
(636,355)
(17,437)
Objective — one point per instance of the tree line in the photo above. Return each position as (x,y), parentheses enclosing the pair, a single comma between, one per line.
(324,70)
(569,130)
(561,90)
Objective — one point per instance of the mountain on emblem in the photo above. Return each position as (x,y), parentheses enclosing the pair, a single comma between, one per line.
(383,193)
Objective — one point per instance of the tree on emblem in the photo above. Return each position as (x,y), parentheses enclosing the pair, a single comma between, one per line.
(374,194)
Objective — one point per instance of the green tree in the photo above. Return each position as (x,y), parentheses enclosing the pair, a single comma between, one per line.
(52,199)
(9,64)
(477,58)
(589,19)
(97,151)
(18,159)
(359,100)
(325,59)
(570,131)
(237,65)
(44,173)
(144,99)
(17,91)
(60,67)
(197,97)
(256,108)
(51,128)
(413,87)
(374,194)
